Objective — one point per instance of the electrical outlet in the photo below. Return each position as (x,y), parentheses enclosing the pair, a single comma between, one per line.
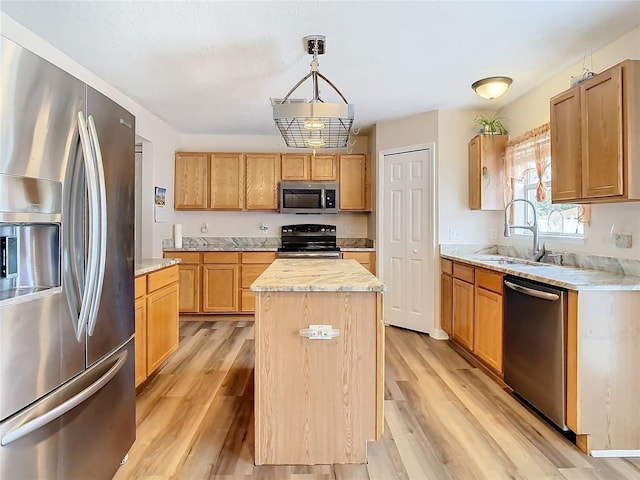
(204,228)
(352,230)
(454,234)
(624,241)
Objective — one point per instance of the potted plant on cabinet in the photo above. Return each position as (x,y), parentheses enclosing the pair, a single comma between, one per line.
(491,124)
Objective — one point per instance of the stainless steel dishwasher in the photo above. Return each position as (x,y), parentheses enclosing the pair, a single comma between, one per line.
(535,329)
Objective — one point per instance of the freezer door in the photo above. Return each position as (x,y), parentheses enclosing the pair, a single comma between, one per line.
(113,322)
(81,431)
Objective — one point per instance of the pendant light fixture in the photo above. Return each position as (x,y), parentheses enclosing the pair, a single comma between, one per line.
(492,87)
(316,123)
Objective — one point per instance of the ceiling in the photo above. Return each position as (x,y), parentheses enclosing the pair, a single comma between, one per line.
(211,67)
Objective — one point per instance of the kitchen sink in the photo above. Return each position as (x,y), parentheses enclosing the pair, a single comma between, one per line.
(511,261)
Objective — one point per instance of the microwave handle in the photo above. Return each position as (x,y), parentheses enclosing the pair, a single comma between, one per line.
(323,199)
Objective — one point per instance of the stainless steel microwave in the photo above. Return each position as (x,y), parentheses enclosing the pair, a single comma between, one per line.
(308,197)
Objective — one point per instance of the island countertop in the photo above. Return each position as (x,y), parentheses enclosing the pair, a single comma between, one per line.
(316,275)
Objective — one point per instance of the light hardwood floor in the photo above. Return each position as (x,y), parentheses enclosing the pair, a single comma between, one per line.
(444,419)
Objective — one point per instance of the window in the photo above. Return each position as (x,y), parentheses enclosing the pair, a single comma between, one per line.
(528,165)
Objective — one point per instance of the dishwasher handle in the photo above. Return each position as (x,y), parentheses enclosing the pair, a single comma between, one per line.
(532,292)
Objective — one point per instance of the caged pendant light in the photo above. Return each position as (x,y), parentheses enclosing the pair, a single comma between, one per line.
(313,124)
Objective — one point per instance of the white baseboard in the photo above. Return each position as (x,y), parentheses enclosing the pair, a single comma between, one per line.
(615,453)
(439,334)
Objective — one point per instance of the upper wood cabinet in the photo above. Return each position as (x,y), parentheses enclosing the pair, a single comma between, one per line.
(486,172)
(191,186)
(355,184)
(227,181)
(307,167)
(262,177)
(324,168)
(594,140)
(296,166)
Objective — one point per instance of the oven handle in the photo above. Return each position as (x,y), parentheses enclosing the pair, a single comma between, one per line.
(532,292)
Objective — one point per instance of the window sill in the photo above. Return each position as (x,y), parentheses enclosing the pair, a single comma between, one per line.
(550,237)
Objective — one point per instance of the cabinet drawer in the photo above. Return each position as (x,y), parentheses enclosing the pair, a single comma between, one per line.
(362,257)
(185,257)
(162,278)
(258,257)
(446,266)
(248,301)
(221,257)
(140,286)
(251,272)
(463,272)
(489,280)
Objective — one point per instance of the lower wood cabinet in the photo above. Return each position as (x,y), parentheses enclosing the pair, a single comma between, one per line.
(446,295)
(220,274)
(253,264)
(366,259)
(471,310)
(463,305)
(157,320)
(487,342)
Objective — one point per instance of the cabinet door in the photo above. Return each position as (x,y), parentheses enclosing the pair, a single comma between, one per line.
(566,149)
(488,328)
(189,288)
(227,181)
(191,190)
(263,175)
(220,288)
(295,167)
(353,182)
(474,173)
(446,302)
(141,340)
(602,134)
(486,172)
(162,325)
(324,168)
(463,313)
(366,259)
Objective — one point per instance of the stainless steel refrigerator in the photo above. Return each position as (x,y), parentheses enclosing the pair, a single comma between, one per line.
(67,396)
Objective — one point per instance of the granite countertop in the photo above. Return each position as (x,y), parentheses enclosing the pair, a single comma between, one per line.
(148,265)
(571,278)
(316,275)
(248,244)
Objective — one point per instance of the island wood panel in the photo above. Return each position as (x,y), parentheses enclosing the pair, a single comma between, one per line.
(227,181)
(608,360)
(321,408)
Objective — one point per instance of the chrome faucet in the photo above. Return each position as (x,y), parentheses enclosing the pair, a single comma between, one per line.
(538,252)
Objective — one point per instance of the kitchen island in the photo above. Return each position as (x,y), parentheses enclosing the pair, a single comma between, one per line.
(319,341)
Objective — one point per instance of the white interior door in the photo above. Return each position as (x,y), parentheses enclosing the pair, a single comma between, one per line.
(407,233)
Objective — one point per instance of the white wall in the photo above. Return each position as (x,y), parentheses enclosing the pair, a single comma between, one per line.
(160,139)
(532,110)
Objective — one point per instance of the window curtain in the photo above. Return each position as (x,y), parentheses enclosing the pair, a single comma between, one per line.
(529,151)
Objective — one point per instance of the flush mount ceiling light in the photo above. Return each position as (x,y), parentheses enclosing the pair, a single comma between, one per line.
(492,87)
(313,124)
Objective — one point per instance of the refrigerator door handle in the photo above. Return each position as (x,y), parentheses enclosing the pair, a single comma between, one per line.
(102,225)
(92,195)
(64,407)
